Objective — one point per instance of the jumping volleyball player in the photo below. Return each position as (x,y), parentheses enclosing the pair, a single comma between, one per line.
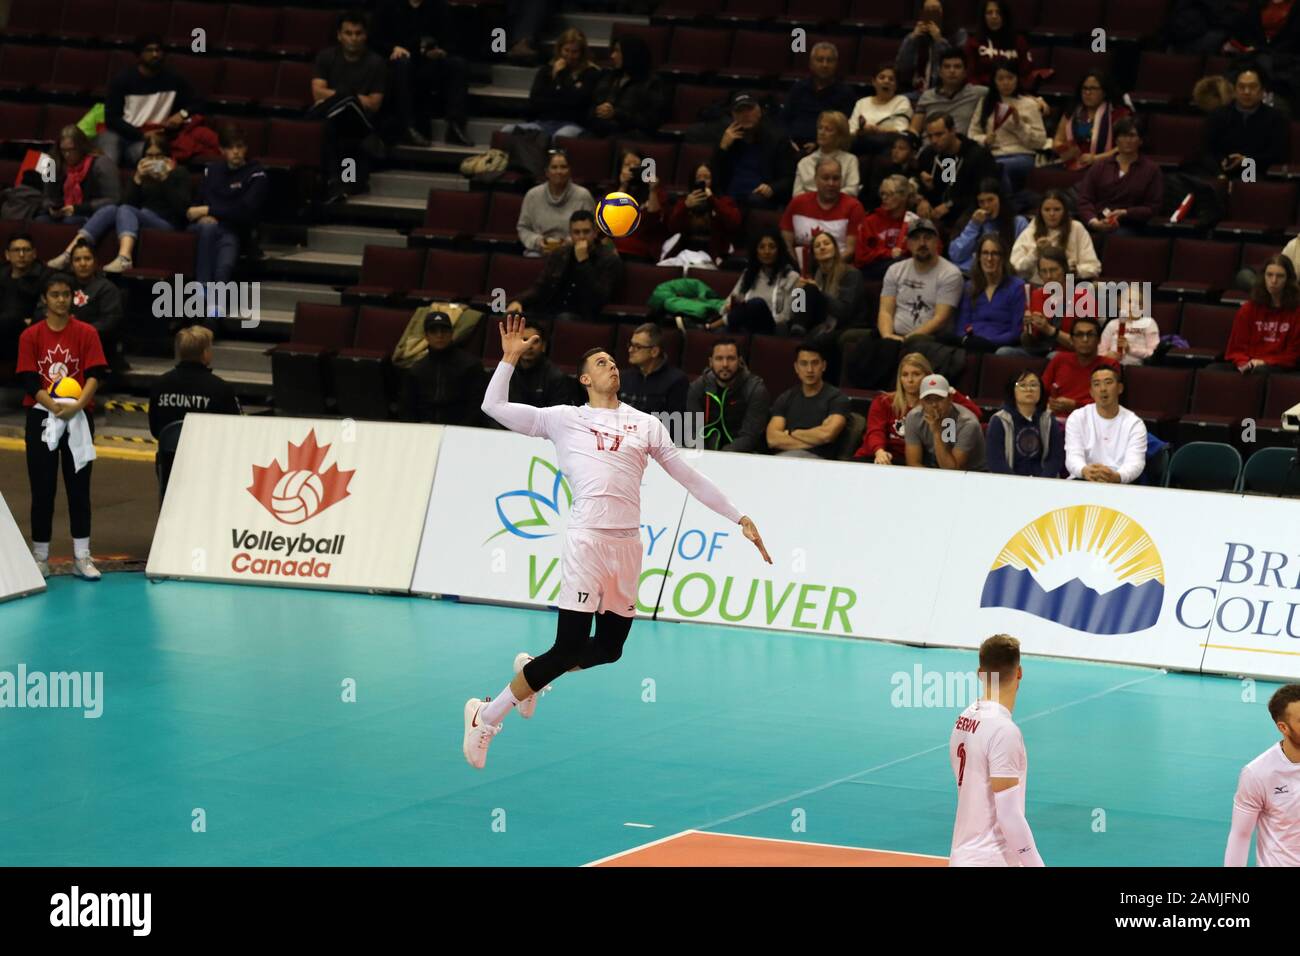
(603,449)
(992,770)
(1268,793)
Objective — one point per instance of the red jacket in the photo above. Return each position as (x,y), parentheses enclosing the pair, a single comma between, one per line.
(1263,332)
(885,429)
(981,57)
(879,235)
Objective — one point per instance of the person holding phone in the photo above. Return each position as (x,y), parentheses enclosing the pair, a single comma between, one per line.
(156,197)
(702,220)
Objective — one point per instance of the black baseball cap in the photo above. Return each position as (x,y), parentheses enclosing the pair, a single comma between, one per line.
(743,99)
(437,320)
(921,225)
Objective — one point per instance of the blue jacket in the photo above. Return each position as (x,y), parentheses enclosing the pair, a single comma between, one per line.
(1001,319)
(961,252)
(1007,456)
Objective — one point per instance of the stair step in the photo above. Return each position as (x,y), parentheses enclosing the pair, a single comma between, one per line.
(413,185)
(300,256)
(498,91)
(351,240)
(241,356)
(147,368)
(598,27)
(480,130)
(393,203)
(283,297)
(513,77)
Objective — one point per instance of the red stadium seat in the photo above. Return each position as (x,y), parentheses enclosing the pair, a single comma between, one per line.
(1200,268)
(698,347)
(695,52)
(452,276)
(688,103)
(1058,21)
(1135,20)
(1257,210)
(87,19)
(305,32)
(293,143)
(755,55)
(639,281)
(450,216)
(249,28)
(1137,259)
(162,254)
(187,17)
(387,271)
(772,357)
(243,81)
(79,72)
(299,370)
(292,88)
(1221,402)
(24,67)
(512,274)
(1157,395)
(364,379)
(131,17)
(1069,66)
(31,19)
(502,226)
(656,38)
(1206,329)
(874,14)
(1166,79)
(1170,139)
(202,71)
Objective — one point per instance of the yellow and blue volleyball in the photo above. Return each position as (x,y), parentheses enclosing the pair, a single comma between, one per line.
(618,215)
(66,388)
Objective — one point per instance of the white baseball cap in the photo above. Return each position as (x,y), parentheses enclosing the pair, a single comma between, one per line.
(935,385)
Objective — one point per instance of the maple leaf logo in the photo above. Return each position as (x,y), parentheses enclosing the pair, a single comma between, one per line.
(79,298)
(58,363)
(300,490)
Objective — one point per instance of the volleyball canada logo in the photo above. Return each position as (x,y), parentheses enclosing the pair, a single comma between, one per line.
(300,490)
(1085,567)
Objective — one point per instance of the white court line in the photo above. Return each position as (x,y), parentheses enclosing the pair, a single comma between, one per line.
(615,856)
(829,846)
(641,826)
(920,753)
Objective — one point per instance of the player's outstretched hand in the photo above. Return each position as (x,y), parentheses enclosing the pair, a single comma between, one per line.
(751,532)
(513,343)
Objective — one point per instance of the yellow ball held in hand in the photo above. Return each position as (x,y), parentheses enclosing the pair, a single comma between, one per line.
(66,388)
(618,215)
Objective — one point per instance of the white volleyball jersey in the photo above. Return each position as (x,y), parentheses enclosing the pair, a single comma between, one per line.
(603,454)
(985,743)
(1269,789)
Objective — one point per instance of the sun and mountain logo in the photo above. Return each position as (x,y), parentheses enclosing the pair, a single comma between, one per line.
(533,511)
(1085,567)
(300,490)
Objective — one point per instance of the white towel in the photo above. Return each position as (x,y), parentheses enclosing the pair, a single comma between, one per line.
(80,441)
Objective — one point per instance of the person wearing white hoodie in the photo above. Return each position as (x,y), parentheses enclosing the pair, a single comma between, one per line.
(1053,225)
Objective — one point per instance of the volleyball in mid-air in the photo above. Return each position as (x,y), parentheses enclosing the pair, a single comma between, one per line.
(297,496)
(66,388)
(618,215)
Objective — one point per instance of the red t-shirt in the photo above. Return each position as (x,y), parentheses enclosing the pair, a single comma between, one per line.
(1064,377)
(55,355)
(1263,332)
(806,218)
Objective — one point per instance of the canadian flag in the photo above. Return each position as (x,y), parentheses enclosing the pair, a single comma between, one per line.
(43,163)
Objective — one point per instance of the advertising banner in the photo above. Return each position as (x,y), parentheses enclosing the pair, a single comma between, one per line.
(289,501)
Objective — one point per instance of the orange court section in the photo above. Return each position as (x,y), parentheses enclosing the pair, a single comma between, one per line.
(696,848)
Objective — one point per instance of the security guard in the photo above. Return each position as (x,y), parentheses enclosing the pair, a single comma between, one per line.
(190,387)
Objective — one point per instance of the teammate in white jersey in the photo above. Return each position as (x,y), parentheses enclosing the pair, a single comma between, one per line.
(1268,793)
(603,449)
(991,768)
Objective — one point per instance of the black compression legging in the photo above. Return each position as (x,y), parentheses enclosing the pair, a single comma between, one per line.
(575,647)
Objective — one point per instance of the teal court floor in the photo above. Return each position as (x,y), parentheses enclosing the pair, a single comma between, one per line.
(225,739)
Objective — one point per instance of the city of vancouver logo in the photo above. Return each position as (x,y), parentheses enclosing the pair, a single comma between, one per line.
(521,511)
(300,490)
(1085,567)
